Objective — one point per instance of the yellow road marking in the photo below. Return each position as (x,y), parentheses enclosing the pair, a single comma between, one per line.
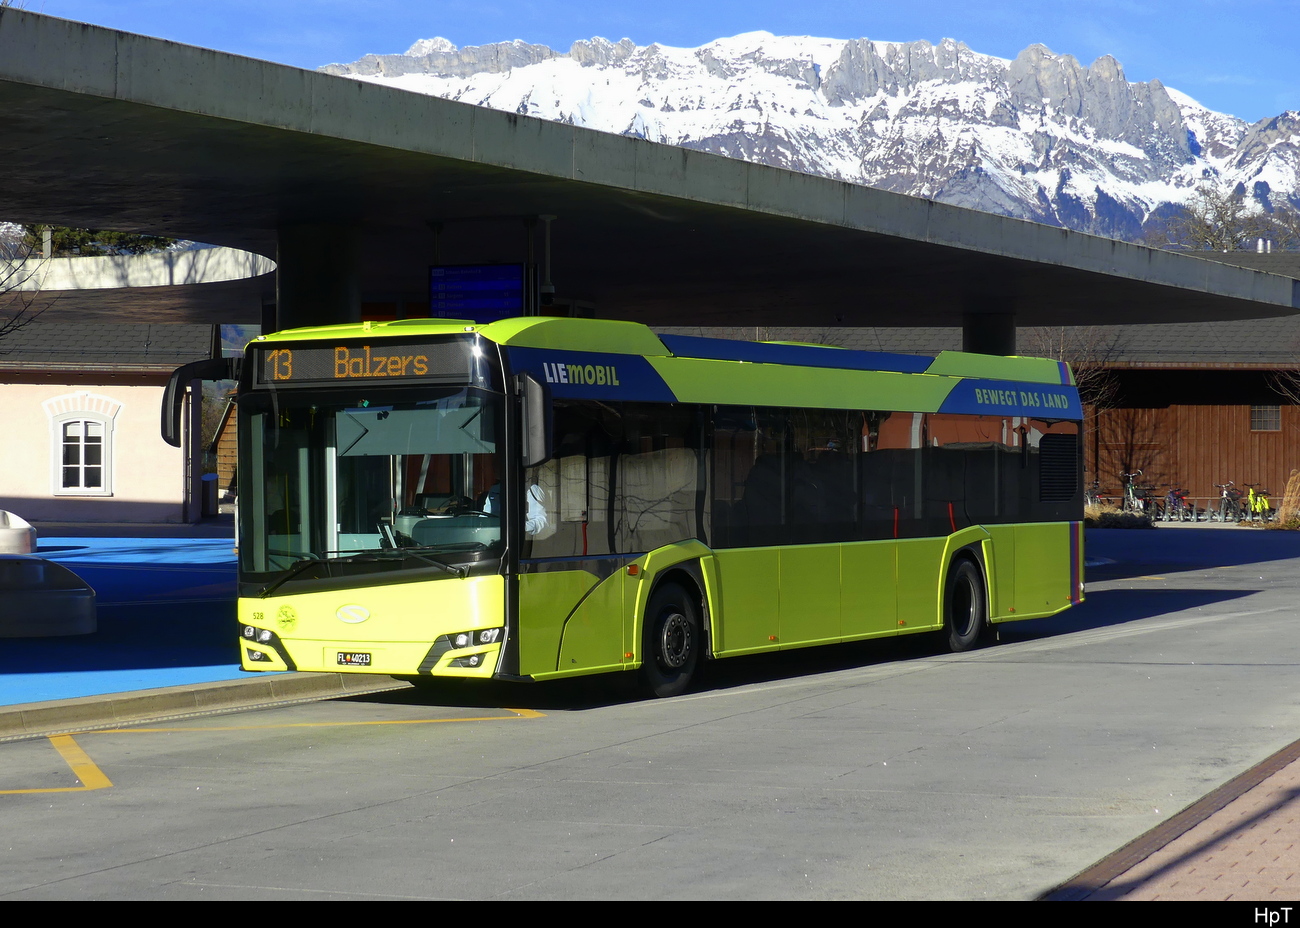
(519,714)
(83,768)
(91,777)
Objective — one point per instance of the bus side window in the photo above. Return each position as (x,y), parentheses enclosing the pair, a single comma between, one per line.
(658,474)
(574,482)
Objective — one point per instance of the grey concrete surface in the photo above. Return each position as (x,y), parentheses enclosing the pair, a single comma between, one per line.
(1235,844)
(26,721)
(884,771)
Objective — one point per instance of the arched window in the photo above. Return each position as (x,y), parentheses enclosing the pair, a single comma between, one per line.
(83,458)
(81,437)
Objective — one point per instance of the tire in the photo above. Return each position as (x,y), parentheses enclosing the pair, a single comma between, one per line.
(671,641)
(965,607)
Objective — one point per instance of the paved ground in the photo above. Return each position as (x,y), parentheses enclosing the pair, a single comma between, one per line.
(1240,842)
(165,607)
(165,644)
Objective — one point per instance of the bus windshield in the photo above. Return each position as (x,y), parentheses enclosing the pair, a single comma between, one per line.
(340,485)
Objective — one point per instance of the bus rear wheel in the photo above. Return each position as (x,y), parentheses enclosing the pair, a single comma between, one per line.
(671,641)
(965,610)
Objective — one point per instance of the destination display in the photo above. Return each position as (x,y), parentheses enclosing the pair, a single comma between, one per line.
(379,361)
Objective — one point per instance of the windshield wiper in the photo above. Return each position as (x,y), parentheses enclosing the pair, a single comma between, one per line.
(361,557)
(298,567)
(421,553)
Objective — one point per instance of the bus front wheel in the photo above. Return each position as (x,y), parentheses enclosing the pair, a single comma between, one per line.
(671,641)
(965,610)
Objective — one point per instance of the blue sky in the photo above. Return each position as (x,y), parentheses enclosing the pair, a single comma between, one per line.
(1234,56)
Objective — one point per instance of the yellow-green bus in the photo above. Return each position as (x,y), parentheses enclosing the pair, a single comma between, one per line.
(538,498)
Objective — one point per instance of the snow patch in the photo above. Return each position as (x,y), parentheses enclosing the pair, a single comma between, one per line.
(1056,144)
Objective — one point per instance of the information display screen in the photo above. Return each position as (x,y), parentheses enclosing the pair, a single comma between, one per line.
(379,361)
(479,292)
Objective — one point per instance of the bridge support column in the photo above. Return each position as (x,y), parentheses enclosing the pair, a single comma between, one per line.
(319,276)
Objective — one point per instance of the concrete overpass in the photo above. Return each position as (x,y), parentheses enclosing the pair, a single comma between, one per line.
(344,183)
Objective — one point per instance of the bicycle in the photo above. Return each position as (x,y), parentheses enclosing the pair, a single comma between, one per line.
(1137,500)
(1131,502)
(1176,508)
(1257,504)
(1229,503)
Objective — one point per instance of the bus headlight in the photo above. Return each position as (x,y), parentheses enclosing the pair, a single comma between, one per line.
(459,641)
(472,638)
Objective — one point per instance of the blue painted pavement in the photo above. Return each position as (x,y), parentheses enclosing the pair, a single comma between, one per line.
(166,610)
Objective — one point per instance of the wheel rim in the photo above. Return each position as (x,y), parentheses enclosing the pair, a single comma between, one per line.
(675,641)
(963,607)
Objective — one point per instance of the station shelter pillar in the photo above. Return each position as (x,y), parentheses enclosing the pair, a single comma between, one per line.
(318,281)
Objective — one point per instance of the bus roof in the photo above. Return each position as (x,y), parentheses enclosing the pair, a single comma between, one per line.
(631,338)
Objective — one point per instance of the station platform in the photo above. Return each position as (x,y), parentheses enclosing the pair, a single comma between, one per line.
(165,599)
(165,648)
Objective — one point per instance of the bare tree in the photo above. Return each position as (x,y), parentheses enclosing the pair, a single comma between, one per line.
(1284,229)
(1286,381)
(1284,235)
(1088,349)
(20,268)
(1132,440)
(1217,218)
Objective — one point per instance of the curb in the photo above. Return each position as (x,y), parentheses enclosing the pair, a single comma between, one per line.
(40,719)
(1114,865)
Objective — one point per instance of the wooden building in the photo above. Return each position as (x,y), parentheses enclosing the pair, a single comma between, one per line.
(224,453)
(1222,408)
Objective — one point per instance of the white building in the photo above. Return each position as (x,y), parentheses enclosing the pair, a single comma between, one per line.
(80,437)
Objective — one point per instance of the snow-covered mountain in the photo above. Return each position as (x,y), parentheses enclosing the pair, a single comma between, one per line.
(1040,137)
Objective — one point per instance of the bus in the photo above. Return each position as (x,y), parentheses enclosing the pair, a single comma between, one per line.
(538,498)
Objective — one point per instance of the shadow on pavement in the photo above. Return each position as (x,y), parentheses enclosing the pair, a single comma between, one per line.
(1116,607)
(593,692)
(1231,828)
(1136,552)
(135,636)
(162,603)
(168,603)
(1103,608)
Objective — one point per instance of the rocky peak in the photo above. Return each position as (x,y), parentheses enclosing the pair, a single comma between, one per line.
(1037,137)
(439,56)
(430,46)
(598,52)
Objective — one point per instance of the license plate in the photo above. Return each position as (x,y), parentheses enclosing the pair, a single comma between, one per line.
(354,658)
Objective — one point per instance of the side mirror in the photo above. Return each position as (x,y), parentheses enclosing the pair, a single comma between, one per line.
(174,393)
(535,402)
